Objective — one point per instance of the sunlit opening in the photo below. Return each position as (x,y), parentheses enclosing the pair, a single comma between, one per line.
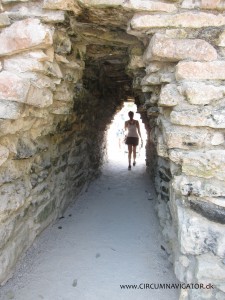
(117,149)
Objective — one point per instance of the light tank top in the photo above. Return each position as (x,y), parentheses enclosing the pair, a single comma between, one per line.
(132,130)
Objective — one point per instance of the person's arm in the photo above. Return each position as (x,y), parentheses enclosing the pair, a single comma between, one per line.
(139,131)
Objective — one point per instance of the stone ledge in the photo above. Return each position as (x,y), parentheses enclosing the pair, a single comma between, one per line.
(163,48)
(143,22)
(20,37)
(200,70)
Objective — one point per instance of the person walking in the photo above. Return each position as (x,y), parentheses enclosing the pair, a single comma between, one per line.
(132,129)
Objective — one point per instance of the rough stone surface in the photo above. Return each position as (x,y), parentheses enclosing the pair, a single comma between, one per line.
(62,5)
(200,70)
(213,117)
(166,49)
(4,20)
(170,96)
(202,93)
(140,5)
(13,87)
(206,164)
(10,110)
(184,19)
(19,37)
(4,153)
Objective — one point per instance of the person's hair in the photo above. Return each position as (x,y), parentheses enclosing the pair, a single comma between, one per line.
(130,114)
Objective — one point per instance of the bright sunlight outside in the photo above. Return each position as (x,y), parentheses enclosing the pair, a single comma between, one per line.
(117,150)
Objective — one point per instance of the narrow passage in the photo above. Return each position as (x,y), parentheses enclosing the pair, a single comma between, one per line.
(108,238)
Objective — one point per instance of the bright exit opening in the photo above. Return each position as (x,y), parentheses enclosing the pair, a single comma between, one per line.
(117,149)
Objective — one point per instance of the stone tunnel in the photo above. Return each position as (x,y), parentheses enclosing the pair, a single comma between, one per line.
(66,67)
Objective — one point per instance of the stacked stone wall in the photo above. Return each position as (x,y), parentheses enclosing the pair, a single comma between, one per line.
(49,147)
(52,130)
(184,82)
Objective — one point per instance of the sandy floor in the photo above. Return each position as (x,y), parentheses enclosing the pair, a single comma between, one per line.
(110,237)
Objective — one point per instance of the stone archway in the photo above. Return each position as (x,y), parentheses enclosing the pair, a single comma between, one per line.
(66,65)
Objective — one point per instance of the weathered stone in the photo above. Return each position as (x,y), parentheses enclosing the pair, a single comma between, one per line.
(13,87)
(202,93)
(53,69)
(170,95)
(213,117)
(35,10)
(184,19)
(189,137)
(163,48)
(25,62)
(136,62)
(210,269)
(20,37)
(39,97)
(145,5)
(102,3)
(13,196)
(158,78)
(200,70)
(10,110)
(70,5)
(221,40)
(206,164)
(62,108)
(211,211)
(203,4)
(4,153)
(197,235)
(4,20)
(64,92)
(62,43)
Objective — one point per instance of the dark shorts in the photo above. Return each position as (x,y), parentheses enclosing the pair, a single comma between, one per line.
(132,141)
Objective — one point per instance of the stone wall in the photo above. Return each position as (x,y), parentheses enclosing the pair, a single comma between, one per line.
(61,68)
(184,84)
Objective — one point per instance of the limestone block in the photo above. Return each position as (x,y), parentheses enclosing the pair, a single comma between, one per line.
(26,62)
(19,12)
(10,110)
(4,20)
(64,92)
(13,87)
(4,153)
(221,40)
(206,164)
(9,1)
(211,269)
(145,5)
(136,62)
(70,5)
(20,37)
(39,97)
(163,48)
(102,3)
(170,95)
(185,19)
(13,196)
(14,169)
(62,43)
(62,108)
(6,230)
(12,252)
(158,78)
(201,93)
(197,235)
(199,187)
(200,70)
(53,69)
(0,66)
(203,4)
(213,117)
(184,137)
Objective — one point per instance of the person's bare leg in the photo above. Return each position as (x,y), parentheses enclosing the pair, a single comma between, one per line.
(129,155)
(134,155)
